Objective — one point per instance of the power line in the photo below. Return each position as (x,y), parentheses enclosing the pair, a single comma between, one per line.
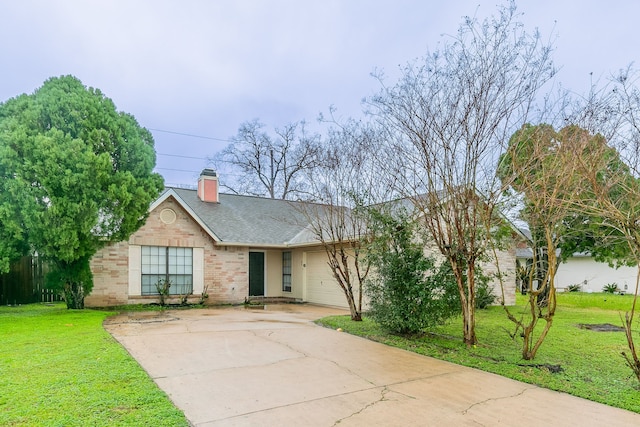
(177,170)
(190,135)
(180,185)
(183,157)
(226,174)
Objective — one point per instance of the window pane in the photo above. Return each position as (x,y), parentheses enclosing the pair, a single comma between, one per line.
(180,260)
(286,262)
(153,260)
(180,284)
(286,283)
(149,282)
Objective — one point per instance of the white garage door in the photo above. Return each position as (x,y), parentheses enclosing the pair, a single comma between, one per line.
(322,287)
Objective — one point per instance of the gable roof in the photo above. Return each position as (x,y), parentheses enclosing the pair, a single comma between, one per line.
(239,220)
(244,220)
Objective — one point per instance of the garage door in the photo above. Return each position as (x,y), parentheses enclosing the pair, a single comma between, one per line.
(322,287)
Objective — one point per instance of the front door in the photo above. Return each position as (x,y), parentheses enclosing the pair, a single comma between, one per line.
(256,274)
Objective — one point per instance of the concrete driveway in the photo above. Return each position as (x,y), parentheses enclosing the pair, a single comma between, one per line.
(274,367)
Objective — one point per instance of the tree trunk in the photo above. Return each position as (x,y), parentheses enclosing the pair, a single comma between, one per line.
(542,276)
(632,359)
(467,302)
(356,314)
(74,295)
(469,330)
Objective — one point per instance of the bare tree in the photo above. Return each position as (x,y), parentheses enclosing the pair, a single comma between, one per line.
(607,157)
(447,120)
(342,185)
(535,166)
(274,167)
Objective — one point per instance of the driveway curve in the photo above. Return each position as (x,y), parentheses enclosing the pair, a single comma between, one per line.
(275,367)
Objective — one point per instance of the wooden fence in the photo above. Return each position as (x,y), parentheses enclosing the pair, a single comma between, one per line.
(24,283)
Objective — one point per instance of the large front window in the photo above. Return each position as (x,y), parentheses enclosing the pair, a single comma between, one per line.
(167,264)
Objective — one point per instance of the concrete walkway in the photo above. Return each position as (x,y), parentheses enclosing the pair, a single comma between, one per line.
(274,367)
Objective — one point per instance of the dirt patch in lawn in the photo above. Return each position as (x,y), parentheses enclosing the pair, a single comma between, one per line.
(601,327)
(554,369)
(141,317)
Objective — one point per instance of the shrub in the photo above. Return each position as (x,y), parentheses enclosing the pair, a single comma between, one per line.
(403,297)
(573,288)
(610,288)
(204,295)
(163,290)
(484,293)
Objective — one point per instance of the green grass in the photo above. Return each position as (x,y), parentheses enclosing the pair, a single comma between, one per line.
(593,367)
(59,367)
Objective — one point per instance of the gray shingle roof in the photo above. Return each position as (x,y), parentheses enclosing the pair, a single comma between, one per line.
(248,219)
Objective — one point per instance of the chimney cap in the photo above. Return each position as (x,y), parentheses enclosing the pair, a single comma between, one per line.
(208,172)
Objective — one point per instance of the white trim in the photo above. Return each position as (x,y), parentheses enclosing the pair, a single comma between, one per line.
(304,276)
(261,246)
(311,244)
(267,246)
(197,270)
(135,270)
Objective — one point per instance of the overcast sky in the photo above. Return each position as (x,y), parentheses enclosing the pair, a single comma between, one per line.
(201,68)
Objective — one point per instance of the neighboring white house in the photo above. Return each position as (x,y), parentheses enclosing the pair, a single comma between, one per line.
(592,276)
(583,270)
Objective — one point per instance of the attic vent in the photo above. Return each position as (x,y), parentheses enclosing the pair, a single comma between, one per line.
(168,216)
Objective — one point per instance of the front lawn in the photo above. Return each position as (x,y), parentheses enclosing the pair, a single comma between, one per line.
(59,367)
(589,362)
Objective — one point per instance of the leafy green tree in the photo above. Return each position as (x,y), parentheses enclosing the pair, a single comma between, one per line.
(405,293)
(79,174)
(534,166)
(589,234)
(541,165)
(13,242)
(609,189)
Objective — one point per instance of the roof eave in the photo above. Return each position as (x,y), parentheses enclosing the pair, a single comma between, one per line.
(253,245)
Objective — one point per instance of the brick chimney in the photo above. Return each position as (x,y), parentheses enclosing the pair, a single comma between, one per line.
(208,186)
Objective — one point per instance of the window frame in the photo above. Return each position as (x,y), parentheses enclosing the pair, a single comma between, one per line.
(287,267)
(166,263)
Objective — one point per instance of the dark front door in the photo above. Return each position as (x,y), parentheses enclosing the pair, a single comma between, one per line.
(256,274)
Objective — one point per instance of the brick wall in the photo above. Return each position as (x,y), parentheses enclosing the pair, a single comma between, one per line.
(110,276)
(229,275)
(225,268)
(507,266)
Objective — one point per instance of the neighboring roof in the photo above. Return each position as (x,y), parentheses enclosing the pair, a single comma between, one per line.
(247,220)
(524,253)
(524,231)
